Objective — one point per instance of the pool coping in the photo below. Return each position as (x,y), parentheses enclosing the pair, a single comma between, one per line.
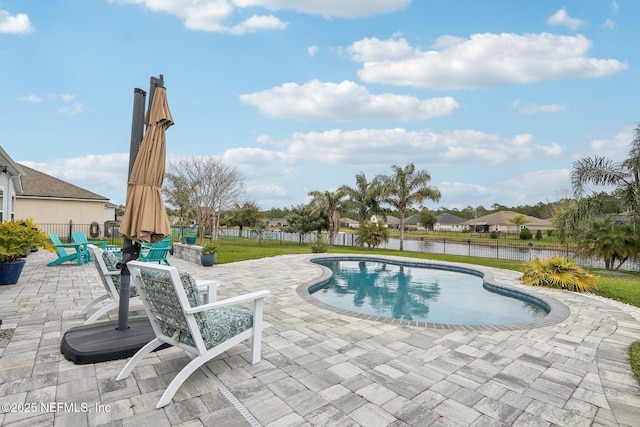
(557,310)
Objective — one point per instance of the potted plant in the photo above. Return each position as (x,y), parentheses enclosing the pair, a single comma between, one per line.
(208,254)
(190,238)
(17,239)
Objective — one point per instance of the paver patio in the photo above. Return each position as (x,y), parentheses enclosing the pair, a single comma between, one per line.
(319,367)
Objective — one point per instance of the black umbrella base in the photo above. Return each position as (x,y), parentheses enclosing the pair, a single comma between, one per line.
(101,342)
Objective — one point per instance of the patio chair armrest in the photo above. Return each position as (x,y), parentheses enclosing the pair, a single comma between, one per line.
(208,289)
(229,301)
(73,245)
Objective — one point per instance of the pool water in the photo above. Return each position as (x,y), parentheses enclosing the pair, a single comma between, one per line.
(419,293)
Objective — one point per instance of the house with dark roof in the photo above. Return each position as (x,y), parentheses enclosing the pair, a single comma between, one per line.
(50,200)
(448,222)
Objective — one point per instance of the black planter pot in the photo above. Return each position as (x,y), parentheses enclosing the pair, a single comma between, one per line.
(10,272)
(207,260)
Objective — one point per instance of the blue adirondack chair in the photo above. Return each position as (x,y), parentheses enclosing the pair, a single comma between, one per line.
(157,252)
(79,254)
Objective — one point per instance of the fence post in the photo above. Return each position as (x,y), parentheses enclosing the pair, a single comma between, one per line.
(497,249)
(469,244)
(70,230)
(444,245)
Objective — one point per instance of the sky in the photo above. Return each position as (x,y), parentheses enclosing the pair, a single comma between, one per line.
(495,99)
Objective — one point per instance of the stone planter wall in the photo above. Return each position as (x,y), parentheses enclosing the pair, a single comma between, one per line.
(187,252)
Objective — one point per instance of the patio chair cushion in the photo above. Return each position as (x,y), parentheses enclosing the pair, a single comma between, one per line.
(111,261)
(215,325)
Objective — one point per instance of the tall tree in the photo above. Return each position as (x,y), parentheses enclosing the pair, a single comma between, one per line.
(176,194)
(624,176)
(210,186)
(363,199)
(245,214)
(404,188)
(331,201)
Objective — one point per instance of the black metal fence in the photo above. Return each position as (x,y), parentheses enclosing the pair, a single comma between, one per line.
(483,247)
(107,231)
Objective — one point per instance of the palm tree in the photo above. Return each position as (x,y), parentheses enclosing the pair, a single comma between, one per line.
(599,170)
(610,242)
(519,220)
(331,201)
(364,198)
(404,188)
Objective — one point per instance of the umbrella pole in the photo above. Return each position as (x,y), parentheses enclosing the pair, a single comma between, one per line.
(131,249)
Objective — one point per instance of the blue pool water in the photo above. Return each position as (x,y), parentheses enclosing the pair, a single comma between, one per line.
(419,293)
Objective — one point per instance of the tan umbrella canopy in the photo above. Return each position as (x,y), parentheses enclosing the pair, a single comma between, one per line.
(145,219)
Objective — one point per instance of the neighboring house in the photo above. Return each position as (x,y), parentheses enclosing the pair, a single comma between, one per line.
(50,200)
(448,222)
(10,185)
(413,223)
(500,221)
(349,223)
(388,221)
(275,222)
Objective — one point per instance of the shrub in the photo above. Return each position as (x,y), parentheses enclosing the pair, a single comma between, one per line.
(559,273)
(538,235)
(525,234)
(319,246)
(494,235)
(372,235)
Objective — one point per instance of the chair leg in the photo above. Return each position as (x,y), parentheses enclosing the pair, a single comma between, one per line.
(179,379)
(88,307)
(114,305)
(126,371)
(256,333)
(95,316)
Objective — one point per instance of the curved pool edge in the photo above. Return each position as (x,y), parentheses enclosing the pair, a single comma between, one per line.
(557,310)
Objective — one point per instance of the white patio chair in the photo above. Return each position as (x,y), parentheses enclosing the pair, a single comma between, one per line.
(178,317)
(105,262)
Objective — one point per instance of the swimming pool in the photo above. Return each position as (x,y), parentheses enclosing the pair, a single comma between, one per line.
(422,293)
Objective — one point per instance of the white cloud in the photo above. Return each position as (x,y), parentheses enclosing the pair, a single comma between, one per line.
(17,24)
(562,18)
(345,101)
(483,60)
(209,15)
(312,50)
(331,8)
(381,147)
(617,147)
(72,109)
(34,99)
(609,24)
(216,15)
(534,108)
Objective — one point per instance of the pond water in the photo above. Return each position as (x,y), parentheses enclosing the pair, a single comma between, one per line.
(418,292)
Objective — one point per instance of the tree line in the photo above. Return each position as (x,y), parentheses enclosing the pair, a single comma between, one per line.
(602,224)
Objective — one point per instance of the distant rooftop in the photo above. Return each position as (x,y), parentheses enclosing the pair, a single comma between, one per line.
(41,185)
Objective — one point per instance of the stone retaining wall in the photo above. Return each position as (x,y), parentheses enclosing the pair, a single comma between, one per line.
(187,252)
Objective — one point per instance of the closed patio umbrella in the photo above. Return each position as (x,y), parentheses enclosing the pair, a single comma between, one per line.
(145,218)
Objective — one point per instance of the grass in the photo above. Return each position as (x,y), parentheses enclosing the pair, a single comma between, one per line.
(634,359)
